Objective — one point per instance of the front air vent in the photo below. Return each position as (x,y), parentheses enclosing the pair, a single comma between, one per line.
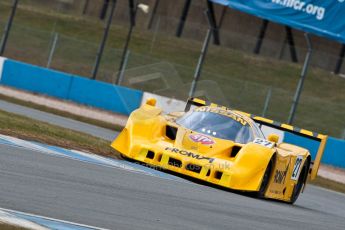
(171,132)
(208,172)
(193,168)
(175,162)
(218,175)
(235,149)
(150,155)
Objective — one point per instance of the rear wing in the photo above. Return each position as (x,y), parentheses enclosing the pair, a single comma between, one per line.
(322,139)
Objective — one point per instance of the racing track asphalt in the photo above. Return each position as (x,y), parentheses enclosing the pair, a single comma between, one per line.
(117,199)
(58,120)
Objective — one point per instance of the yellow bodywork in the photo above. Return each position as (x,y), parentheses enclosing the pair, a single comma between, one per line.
(224,163)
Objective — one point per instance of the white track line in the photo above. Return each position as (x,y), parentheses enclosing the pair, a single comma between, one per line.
(13,220)
(52,219)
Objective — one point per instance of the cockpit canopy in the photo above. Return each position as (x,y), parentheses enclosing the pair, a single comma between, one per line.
(219,123)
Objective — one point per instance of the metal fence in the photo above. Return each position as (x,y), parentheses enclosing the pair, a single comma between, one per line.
(160,63)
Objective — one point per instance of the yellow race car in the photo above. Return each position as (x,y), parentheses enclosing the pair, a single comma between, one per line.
(221,146)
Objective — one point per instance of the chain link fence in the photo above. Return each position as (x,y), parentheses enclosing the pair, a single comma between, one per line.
(58,37)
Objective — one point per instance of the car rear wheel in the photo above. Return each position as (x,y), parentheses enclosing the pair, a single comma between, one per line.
(298,187)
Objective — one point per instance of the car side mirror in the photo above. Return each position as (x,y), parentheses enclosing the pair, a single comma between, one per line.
(273,138)
(151,101)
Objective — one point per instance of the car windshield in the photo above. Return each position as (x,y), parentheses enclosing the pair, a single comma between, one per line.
(218,125)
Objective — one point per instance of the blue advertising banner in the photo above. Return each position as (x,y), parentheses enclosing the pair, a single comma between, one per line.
(322,17)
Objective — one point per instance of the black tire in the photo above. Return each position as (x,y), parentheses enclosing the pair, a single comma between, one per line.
(265,180)
(124,157)
(298,187)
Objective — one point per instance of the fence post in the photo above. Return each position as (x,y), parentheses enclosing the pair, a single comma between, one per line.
(104,40)
(153,14)
(340,60)
(155,33)
(52,49)
(301,80)
(290,40)
(267,101)
(8,27)
(104,9)
(222,16)
(183,18)
(215,31)
(133,8)
(202,56)
(261,36)
(122,71)
(86,6)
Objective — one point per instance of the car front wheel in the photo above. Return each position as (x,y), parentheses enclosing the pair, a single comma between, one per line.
(298,187)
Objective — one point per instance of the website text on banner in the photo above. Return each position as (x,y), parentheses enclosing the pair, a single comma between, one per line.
(324,18)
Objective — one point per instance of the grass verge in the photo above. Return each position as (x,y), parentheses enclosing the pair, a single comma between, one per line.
(33,130)
(4,226)
(62,113)
(329,184)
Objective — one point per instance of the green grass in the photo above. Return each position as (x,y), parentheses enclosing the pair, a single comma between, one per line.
(33,130)
(5,226)
(62,113)
(230,77)
(329,184)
